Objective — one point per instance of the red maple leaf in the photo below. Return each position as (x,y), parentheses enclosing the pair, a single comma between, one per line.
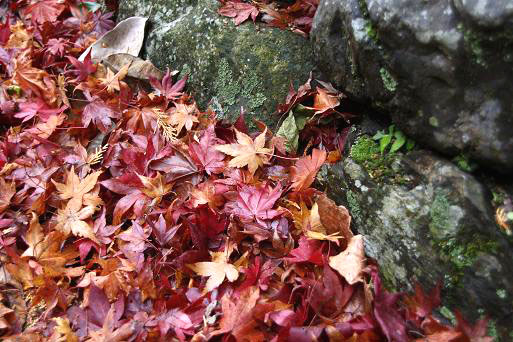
(98,112)
(238,10)
(166,87)
(5,31)
(421,305)
(476,333)
(83,69)
(210,222)
(304,172)
(57,46)
(204,153)
(28,110)
(308,251)
(255,203)
(162,233)
(45,11)
(387,312)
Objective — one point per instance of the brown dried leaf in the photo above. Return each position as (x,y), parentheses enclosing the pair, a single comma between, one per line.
(351,262)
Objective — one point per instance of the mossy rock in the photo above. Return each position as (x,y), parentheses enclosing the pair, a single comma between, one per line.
(435,224)
(229,66)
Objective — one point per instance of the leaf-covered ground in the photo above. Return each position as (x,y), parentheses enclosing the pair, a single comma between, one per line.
(129,214)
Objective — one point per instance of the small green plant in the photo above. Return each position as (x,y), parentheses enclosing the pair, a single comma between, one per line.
(464,163)
(394,136)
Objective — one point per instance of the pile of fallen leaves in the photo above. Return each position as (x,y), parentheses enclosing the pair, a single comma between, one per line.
(131,215)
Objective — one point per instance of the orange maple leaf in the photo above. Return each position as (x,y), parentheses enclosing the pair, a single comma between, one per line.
(45,129)
(155,187)
(7,191)
(37,80)
(113,81)
(76,188)
(238,317)
(306,168)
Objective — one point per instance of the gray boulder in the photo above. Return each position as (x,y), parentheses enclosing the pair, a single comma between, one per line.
(425,220)
(232,66)
(442,68)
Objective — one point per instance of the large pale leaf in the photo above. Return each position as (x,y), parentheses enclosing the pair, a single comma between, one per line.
(126,37)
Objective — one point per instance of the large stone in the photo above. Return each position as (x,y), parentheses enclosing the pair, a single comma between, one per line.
(442,68)
(425,220)
(229,66)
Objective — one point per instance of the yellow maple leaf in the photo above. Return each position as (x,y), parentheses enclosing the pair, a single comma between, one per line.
(19,38)
(313,235)
(62,331)
(34,238)
(217,270)
(183,115)
(155,187)
(71,219)
(112,81)
(76,188)
(247,152)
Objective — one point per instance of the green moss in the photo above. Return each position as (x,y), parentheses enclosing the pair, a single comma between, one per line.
(473,43)
(354,207)
(388,81)
(464,254)
(498,197)
(226,87)
(439,214)
(365,151)
(369,26)
(252,90)
(492,330)
(433,121)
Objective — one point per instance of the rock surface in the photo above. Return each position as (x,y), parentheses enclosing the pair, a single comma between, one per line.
(247,65)
(426,220)
(442,68)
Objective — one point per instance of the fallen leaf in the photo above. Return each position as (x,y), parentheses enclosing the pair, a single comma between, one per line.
(71,220)
(247,152)
(45,129)
(308,251)
(237,317)
(63,330)
(334,218)
(7,191)
(45,11)
(155,187)
(126,37)
(183,115)
(205,154)
(217,270)
(75,188)
(34,238)
(351,262)
(239,11)
(289,131)
(137,67)
(256,203)
(306,168)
